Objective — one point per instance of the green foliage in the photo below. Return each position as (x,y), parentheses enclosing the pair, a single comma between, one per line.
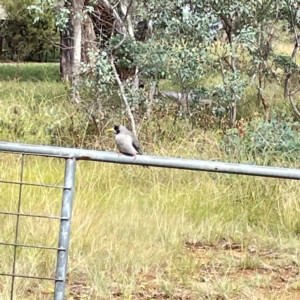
(26,33)
(233,84)
(263,141)
(182,46)
(179,46)
(98,76)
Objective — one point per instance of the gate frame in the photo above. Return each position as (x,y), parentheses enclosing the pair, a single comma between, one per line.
(72,155)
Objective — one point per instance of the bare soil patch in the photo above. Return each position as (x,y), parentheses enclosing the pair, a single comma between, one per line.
(222,271)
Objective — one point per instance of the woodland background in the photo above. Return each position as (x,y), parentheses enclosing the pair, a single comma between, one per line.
(215,80)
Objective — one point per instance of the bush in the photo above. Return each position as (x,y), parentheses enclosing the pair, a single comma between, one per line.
(260,140)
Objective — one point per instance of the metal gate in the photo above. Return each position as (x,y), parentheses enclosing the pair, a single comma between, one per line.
(64,218)
(70,156)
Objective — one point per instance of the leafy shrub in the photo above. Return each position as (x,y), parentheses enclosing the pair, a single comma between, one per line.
(260,140)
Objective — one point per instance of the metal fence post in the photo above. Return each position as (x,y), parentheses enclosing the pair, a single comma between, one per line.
(65,229)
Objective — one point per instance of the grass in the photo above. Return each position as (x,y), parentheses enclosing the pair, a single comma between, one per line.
(167,234)
(29,72)
(142,233)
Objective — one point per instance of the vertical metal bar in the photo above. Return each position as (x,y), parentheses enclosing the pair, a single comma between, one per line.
(17,230)
(65,229)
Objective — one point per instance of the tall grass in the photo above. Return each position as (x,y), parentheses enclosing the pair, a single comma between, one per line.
(131,225)
(29,72)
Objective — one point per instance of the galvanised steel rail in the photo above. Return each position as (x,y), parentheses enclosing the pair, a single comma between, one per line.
(154,161)
(71,156)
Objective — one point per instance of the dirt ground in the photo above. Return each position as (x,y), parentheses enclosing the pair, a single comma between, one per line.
(223,271)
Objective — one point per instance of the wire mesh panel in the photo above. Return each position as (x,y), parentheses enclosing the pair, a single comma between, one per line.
(36,197)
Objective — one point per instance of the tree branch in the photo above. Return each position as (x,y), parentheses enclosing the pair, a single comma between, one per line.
(295,90)
(294,105)
(115,13)
(123,94)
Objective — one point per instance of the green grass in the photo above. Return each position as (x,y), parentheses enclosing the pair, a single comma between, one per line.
(121,236)
(142,233)
(34,72)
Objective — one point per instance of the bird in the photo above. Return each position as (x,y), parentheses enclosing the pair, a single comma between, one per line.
(127,142)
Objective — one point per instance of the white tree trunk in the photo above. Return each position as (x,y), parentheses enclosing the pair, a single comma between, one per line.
(125,8)
(70,56)
(77,6)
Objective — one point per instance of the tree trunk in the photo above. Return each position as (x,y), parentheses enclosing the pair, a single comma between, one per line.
(66,54)
(89,42)
(70,51)
(1,44)
(125,8)
(77,21)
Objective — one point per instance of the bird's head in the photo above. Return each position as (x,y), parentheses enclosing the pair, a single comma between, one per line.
(115,129)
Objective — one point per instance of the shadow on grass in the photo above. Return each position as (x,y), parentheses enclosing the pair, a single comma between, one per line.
(29,72)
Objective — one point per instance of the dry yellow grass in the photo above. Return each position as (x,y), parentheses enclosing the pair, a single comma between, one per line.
(134,230)
(284,48)
(146,233)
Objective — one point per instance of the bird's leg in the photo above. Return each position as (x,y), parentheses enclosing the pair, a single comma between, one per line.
(134,155)
(119,153)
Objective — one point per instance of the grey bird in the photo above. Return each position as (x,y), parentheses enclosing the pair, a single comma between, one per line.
(127,142)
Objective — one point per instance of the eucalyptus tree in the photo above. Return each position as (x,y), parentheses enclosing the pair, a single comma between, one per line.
(189,51)
(290,12)
(138,43)
(248,29)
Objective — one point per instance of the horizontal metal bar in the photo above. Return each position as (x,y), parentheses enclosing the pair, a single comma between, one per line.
(32,184)
(32,215)
(32,246)
(154,161)
(31,277)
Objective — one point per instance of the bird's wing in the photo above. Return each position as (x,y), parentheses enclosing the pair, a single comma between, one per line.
(136,143)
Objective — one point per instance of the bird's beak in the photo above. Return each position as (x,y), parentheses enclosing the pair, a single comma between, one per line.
(111,129)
